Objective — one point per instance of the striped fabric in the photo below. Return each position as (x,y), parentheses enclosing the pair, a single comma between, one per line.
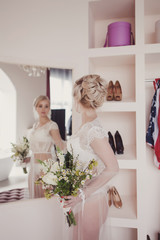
(153,131)
(14,195)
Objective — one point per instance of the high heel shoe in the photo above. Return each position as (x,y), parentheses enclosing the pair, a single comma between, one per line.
(117,95)
(119,143)
(111,142)
(116,198)
(110,90)
(109,197)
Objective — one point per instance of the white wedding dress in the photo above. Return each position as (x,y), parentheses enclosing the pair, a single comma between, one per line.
(91,214)
(42,147)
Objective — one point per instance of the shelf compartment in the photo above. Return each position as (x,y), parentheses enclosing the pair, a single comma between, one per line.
(102,13)
(119,233)
(125,123)
(152,69)
(125,183)
(118,51)
(126,105)
(152,14)
(121,68)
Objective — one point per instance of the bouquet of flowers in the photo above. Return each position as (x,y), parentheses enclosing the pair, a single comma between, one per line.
(20,151)
(64,177)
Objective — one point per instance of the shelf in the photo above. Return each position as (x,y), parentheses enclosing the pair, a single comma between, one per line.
(152,48)
(127,212)
(121,68)
(128,159)
(126,105)
(125,123)
(152,69)
(152,14)
(112,51)
(120,233)
(102,13)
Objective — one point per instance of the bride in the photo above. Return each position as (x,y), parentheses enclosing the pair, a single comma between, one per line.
(90,207)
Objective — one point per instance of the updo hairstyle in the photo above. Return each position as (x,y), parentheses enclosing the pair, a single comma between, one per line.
(40,98)
(35,104)
(90,91)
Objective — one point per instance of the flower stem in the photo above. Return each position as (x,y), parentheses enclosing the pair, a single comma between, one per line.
(71,219)
(25,170)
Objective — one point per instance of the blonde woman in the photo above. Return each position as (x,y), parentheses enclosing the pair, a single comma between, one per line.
(90,207)
(43,138)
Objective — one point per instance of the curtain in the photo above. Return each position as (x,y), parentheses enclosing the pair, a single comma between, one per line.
(48,83)
(61,92)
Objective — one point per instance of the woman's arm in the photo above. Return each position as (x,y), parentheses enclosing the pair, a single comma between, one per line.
(57,139)
(103,150)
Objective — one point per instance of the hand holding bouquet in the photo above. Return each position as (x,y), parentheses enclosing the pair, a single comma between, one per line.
(65,177)
(20,151)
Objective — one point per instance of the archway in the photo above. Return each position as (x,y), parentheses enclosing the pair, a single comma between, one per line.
(8,111)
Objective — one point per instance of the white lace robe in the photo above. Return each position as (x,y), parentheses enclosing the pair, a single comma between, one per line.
(89,143)
(42,147)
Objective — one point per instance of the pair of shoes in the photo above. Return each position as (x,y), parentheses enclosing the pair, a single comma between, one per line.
(114,91)
(119,143)
(114,197)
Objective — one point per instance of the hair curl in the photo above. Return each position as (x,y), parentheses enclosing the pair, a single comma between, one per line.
(90,91)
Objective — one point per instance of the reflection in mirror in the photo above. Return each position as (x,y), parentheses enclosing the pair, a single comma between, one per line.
(18,89)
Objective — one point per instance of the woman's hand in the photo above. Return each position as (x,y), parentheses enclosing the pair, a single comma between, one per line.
(71,201)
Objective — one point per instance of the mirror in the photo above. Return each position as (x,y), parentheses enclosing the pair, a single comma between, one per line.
(19,86)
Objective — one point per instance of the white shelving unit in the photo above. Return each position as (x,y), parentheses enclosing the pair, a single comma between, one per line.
(130,65)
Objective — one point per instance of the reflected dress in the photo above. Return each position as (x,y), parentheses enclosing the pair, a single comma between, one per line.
(42,147)
(92,213)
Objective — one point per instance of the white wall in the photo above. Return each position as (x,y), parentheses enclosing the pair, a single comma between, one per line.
(27,88)
(51,33)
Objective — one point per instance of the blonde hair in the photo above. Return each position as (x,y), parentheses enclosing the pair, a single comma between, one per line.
(40,98)
(90,91)
(36,102)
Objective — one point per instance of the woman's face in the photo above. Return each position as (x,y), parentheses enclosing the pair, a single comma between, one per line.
(43,108)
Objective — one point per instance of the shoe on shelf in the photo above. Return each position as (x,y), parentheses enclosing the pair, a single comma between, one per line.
(111,142)
(116,198)
(109,197)
(119,143)
(117,95)
(110,90)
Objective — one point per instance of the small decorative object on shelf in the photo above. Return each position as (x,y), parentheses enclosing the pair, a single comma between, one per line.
(119,34)
(114,197)
(157,31)
(119,148)
(21,152)
(114,91)
(148,237)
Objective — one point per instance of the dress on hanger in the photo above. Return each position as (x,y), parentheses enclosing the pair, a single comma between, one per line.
(92,213)
(153,135)
(42,147)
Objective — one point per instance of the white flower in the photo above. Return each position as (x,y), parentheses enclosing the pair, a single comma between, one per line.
(61,158)
(82,182)
(50,178)
(65,178)
(64,172)
(44,168)
(55,167)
